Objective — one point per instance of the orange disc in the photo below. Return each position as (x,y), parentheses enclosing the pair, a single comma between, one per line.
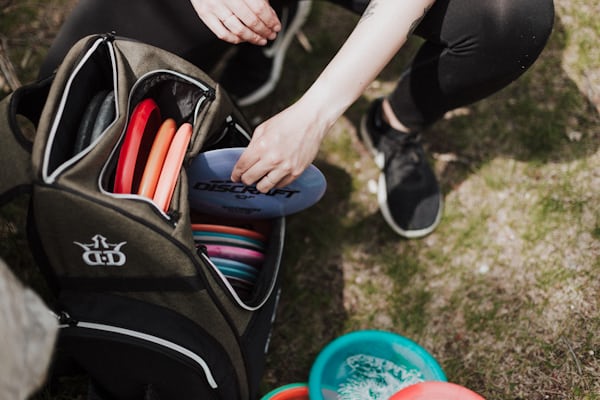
(229,229)
(156,158)
(172,166)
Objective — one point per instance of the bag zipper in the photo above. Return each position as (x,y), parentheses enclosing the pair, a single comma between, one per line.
(66,322)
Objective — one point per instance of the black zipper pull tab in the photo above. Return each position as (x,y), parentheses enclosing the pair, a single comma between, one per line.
(65,319)
(174,216)
(210,93)
(109,36)
(201,250)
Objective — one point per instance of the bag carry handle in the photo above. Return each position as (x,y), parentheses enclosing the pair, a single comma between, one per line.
(15,146)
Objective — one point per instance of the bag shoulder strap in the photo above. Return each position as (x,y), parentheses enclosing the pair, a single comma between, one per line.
(16,136)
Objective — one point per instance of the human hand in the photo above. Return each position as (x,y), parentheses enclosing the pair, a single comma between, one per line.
(237,21)
(281,149)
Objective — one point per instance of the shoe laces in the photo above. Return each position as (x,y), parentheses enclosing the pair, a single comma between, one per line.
(405,147)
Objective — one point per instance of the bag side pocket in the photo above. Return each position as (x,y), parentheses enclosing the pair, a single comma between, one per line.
(95,73)
(110,336)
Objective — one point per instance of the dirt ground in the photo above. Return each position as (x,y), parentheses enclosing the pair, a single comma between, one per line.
(505,293)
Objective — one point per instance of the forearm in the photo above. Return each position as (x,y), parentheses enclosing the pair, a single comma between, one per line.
(285,144)
(381,32)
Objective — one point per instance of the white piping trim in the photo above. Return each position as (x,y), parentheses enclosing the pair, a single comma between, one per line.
(239,128)
(153,339)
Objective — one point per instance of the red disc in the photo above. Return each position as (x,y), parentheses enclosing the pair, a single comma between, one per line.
(143,125)
(436,390)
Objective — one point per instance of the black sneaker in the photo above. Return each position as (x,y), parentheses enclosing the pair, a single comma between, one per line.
(253,71)
(408,192)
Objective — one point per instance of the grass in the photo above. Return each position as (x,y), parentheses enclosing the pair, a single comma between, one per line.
(505,292)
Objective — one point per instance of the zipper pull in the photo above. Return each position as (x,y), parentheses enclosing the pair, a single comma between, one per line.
(201,250)
(64,318)
(209,93)
(108,36)
(174,216)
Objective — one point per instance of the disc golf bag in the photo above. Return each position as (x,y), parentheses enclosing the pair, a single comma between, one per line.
(142,309)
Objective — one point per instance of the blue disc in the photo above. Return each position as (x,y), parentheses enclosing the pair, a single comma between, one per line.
(225,262)
(226,238)
(212,192)
(236,273)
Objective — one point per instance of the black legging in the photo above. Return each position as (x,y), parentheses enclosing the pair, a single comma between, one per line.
(472,48)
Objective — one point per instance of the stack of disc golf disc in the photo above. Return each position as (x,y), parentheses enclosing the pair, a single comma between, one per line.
(238,253)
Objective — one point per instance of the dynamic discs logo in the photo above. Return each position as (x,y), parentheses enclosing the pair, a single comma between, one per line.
(100,252)
(242,191)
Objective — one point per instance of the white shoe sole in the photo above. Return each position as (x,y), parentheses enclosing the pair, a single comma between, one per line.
(387,215)
(379,159)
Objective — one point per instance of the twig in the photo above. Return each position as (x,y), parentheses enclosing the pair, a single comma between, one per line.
(303,40)
(7,68)
(577,364)
(451,158)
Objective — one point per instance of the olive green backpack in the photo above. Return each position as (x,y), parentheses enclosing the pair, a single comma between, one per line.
(143,311)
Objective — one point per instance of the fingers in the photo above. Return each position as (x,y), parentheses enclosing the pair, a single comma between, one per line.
(245,26)
(275,159)
(237,21)
(268,182)
(259,17)
(243,167)
(265,175)
(237,32)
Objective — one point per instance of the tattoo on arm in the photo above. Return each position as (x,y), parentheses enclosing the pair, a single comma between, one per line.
(416,22)
(369,11)
(373,4)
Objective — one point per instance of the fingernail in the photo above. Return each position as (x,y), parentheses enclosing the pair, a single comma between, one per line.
(262,42)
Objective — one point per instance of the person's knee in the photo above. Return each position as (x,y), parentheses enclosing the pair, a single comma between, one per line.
(519,29)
